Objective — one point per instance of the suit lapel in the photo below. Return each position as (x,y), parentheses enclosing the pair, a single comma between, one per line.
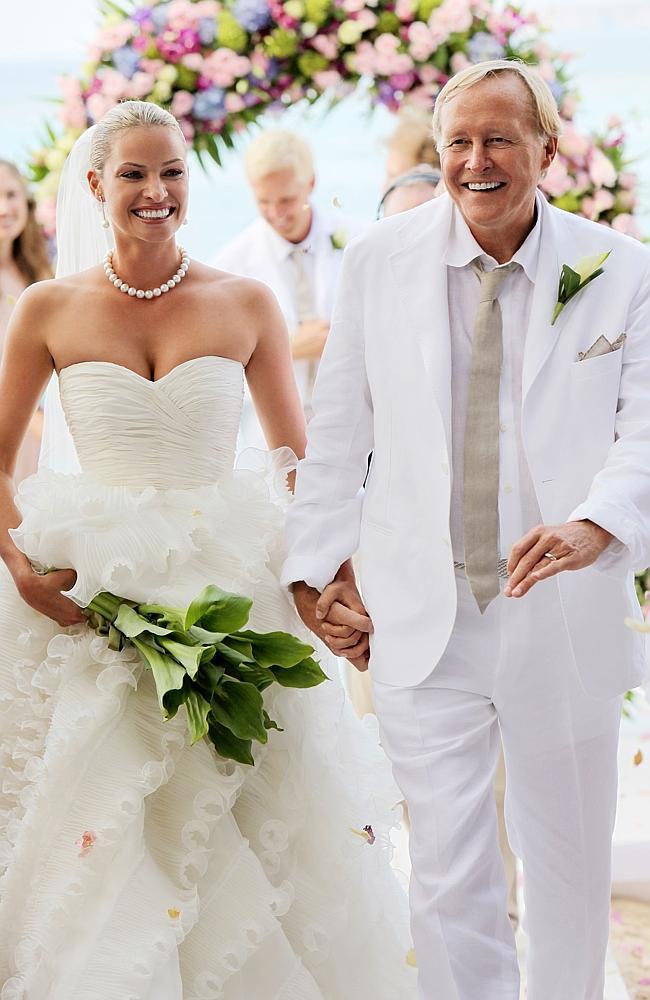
(421,278)
(541,337)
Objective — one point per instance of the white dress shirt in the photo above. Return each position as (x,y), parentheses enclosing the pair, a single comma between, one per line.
(518,506)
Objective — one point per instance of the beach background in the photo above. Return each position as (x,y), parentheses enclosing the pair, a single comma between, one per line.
(41,40)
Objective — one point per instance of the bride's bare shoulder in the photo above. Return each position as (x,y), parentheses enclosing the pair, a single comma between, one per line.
(54,293)
(238,289)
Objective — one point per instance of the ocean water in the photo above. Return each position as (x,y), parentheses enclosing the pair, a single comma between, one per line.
(611,41)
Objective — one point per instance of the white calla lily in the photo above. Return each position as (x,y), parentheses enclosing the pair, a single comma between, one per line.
(586,267)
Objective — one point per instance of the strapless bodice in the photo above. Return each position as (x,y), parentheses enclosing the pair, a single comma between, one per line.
(177,432)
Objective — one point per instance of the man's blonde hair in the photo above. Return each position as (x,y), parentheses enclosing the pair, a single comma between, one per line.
(279,149)
(544,106)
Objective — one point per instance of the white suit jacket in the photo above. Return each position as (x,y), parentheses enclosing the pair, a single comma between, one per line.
(259,252)
(384,386)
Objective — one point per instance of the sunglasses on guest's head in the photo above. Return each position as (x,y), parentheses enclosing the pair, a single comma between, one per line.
(419,175)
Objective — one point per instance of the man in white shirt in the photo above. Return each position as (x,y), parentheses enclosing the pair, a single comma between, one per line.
(294,248)
(493,353)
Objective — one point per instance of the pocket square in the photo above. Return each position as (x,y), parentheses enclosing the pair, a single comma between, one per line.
(602,346)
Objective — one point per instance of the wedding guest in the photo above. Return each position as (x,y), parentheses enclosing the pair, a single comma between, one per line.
(294,248)
(23,260)
(410,189)
(410,144)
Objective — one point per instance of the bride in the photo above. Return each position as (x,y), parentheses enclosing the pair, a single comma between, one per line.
(134,865)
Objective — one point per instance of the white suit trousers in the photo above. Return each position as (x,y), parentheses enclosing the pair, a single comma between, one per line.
(510,668)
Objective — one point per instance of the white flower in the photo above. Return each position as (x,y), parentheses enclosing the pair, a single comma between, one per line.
(574,279)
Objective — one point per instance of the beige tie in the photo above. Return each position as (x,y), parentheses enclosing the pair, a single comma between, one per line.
(306,307)
(481,458)
(304,288)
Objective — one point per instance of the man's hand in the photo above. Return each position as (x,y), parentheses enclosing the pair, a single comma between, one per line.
(338,617)
(575,545)
(309,339)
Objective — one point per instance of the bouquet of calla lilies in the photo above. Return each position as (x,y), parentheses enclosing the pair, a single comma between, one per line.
(202,657)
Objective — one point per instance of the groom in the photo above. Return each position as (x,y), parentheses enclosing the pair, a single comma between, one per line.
(507,504)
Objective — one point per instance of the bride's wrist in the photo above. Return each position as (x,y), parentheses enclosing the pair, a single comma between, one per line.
(19,566)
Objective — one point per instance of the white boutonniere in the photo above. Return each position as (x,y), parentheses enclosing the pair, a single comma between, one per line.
(339,239)
(574,279)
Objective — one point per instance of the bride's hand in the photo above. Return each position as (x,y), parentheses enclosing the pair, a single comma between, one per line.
(43,593)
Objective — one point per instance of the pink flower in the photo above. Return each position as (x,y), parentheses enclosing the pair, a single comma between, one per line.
(421,41)
(152,66)
(627,224)
(187,128)
(429,74)
(627,180)
(73,114)
(459,62)
(614,122)
(193,61)
(224,66)
(569,106)
(234,103)
(114,84)
(601,170)
(326,45)
(182,14)
(352,6)
(114,37)
(85,842)
(367,19)
(405,10)
(574,145)
(557,181)
(327,78)
(98,104)
(602,201)
(140,85)
(452,16)
(181,103)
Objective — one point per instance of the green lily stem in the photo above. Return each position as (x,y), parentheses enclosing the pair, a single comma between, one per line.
(106,605)
(559,306)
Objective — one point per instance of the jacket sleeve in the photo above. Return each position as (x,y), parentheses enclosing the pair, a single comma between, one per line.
(619,496)
(324,519)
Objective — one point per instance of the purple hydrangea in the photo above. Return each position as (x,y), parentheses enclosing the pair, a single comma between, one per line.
(141,15)
(207,30)
(483,46)
(253,15)
(557,89)
(159,17)
(126,61)
(209,104)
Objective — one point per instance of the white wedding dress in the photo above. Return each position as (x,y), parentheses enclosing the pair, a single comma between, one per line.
(134,865)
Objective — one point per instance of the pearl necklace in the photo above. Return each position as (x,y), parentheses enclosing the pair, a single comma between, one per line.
(150,293)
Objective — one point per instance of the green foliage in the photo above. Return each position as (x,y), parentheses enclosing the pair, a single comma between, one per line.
(199,658)
(282,43)
(230,33)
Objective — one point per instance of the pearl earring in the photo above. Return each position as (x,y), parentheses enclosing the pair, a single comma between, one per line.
(105,223)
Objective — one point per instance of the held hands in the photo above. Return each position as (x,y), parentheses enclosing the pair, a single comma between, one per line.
(574,545)
(338,617)
(309,339)
(43,593)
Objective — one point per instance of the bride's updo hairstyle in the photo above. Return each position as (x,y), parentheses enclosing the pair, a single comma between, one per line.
(128,114)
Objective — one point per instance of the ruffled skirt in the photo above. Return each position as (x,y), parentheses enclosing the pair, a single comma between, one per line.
(136,866)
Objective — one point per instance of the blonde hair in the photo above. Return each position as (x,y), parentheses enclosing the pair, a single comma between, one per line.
(29,250)
(544,106)
(413,137)
(127,114)
(279,149)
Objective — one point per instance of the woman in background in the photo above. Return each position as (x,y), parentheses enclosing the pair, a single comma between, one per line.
(23,260)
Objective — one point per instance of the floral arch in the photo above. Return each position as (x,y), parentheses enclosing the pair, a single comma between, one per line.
(219,64)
